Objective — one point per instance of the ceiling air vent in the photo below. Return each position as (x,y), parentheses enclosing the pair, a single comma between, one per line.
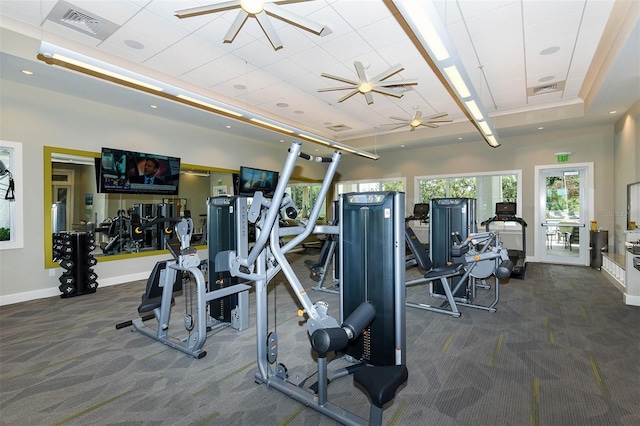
(339,127)
(546,88)
(80,20)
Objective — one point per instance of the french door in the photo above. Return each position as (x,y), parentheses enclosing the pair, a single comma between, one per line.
(564,208)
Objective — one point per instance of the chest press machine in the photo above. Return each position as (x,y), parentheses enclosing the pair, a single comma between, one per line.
(380,378)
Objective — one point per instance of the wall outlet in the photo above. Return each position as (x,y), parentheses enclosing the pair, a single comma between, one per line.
(52,272)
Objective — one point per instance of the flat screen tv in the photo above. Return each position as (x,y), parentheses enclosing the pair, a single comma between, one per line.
(130,172)
(252,180)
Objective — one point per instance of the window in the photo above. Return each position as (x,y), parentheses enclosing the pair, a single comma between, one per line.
(11,228)
(393,184)
(304,196)
(487,188)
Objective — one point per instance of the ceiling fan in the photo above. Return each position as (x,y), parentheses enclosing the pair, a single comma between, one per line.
(366,85)
(417,120)
(259,9)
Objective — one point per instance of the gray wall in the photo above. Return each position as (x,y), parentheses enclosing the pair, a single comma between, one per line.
(586,144)
(38,118)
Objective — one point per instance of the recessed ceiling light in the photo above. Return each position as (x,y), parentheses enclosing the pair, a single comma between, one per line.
(153,106)
(27,72)
(460,138)
(298,112)
(134,44)
(240,86)
(547,78)
(228,126)
(401,146)
(549,50)
(613,112)
(282,105)
(540,128)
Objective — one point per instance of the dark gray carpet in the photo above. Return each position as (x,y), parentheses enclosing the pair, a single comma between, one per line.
(561,350)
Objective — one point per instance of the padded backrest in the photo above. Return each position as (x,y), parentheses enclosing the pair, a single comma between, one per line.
(418,250)
(153,289)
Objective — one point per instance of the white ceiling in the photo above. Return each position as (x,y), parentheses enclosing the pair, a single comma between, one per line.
(504,45)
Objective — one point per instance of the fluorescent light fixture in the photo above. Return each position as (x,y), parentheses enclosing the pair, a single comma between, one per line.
(56,55)
(53,54)
(474,110)
(323,142)
(207,104)
(423,25)
(273,126)
(485,127)
(426,28)
(457,81)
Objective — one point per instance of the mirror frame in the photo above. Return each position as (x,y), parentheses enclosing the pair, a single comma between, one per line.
(48,152)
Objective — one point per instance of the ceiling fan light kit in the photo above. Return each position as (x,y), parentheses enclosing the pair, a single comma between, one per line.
(417,120)
(366,85)
(432,39)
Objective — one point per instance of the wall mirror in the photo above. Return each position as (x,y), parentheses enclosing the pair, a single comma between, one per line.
(73,204)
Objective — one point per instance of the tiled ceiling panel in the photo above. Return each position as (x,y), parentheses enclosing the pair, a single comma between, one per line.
(502,44)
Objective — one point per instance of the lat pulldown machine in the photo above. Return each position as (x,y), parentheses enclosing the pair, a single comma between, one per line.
(379,379)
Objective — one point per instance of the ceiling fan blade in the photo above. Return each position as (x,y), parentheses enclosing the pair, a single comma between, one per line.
(398,118)
(439,121)
(388,73)
(433,126)
(397,126)
(203,10)
(344,98)
(342,79)
(236,25)
(387,92)
(416,115)
(293,18)
(362,75)
(271,33)
(413,128)
(331,89)
(369,97)
(436,116)
(397,83)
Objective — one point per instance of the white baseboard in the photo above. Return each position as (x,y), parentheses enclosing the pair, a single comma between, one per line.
(52,292)
(631,300)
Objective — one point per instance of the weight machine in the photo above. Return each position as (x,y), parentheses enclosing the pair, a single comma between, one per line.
(166,279)
(482,256)
(265,259)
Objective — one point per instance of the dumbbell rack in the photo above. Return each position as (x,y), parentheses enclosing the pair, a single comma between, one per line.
(72,250)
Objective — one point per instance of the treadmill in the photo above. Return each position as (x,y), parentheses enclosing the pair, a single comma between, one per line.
(506,212)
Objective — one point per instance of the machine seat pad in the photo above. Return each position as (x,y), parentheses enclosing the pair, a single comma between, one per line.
(445,271)
(149,304)
(381,382)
